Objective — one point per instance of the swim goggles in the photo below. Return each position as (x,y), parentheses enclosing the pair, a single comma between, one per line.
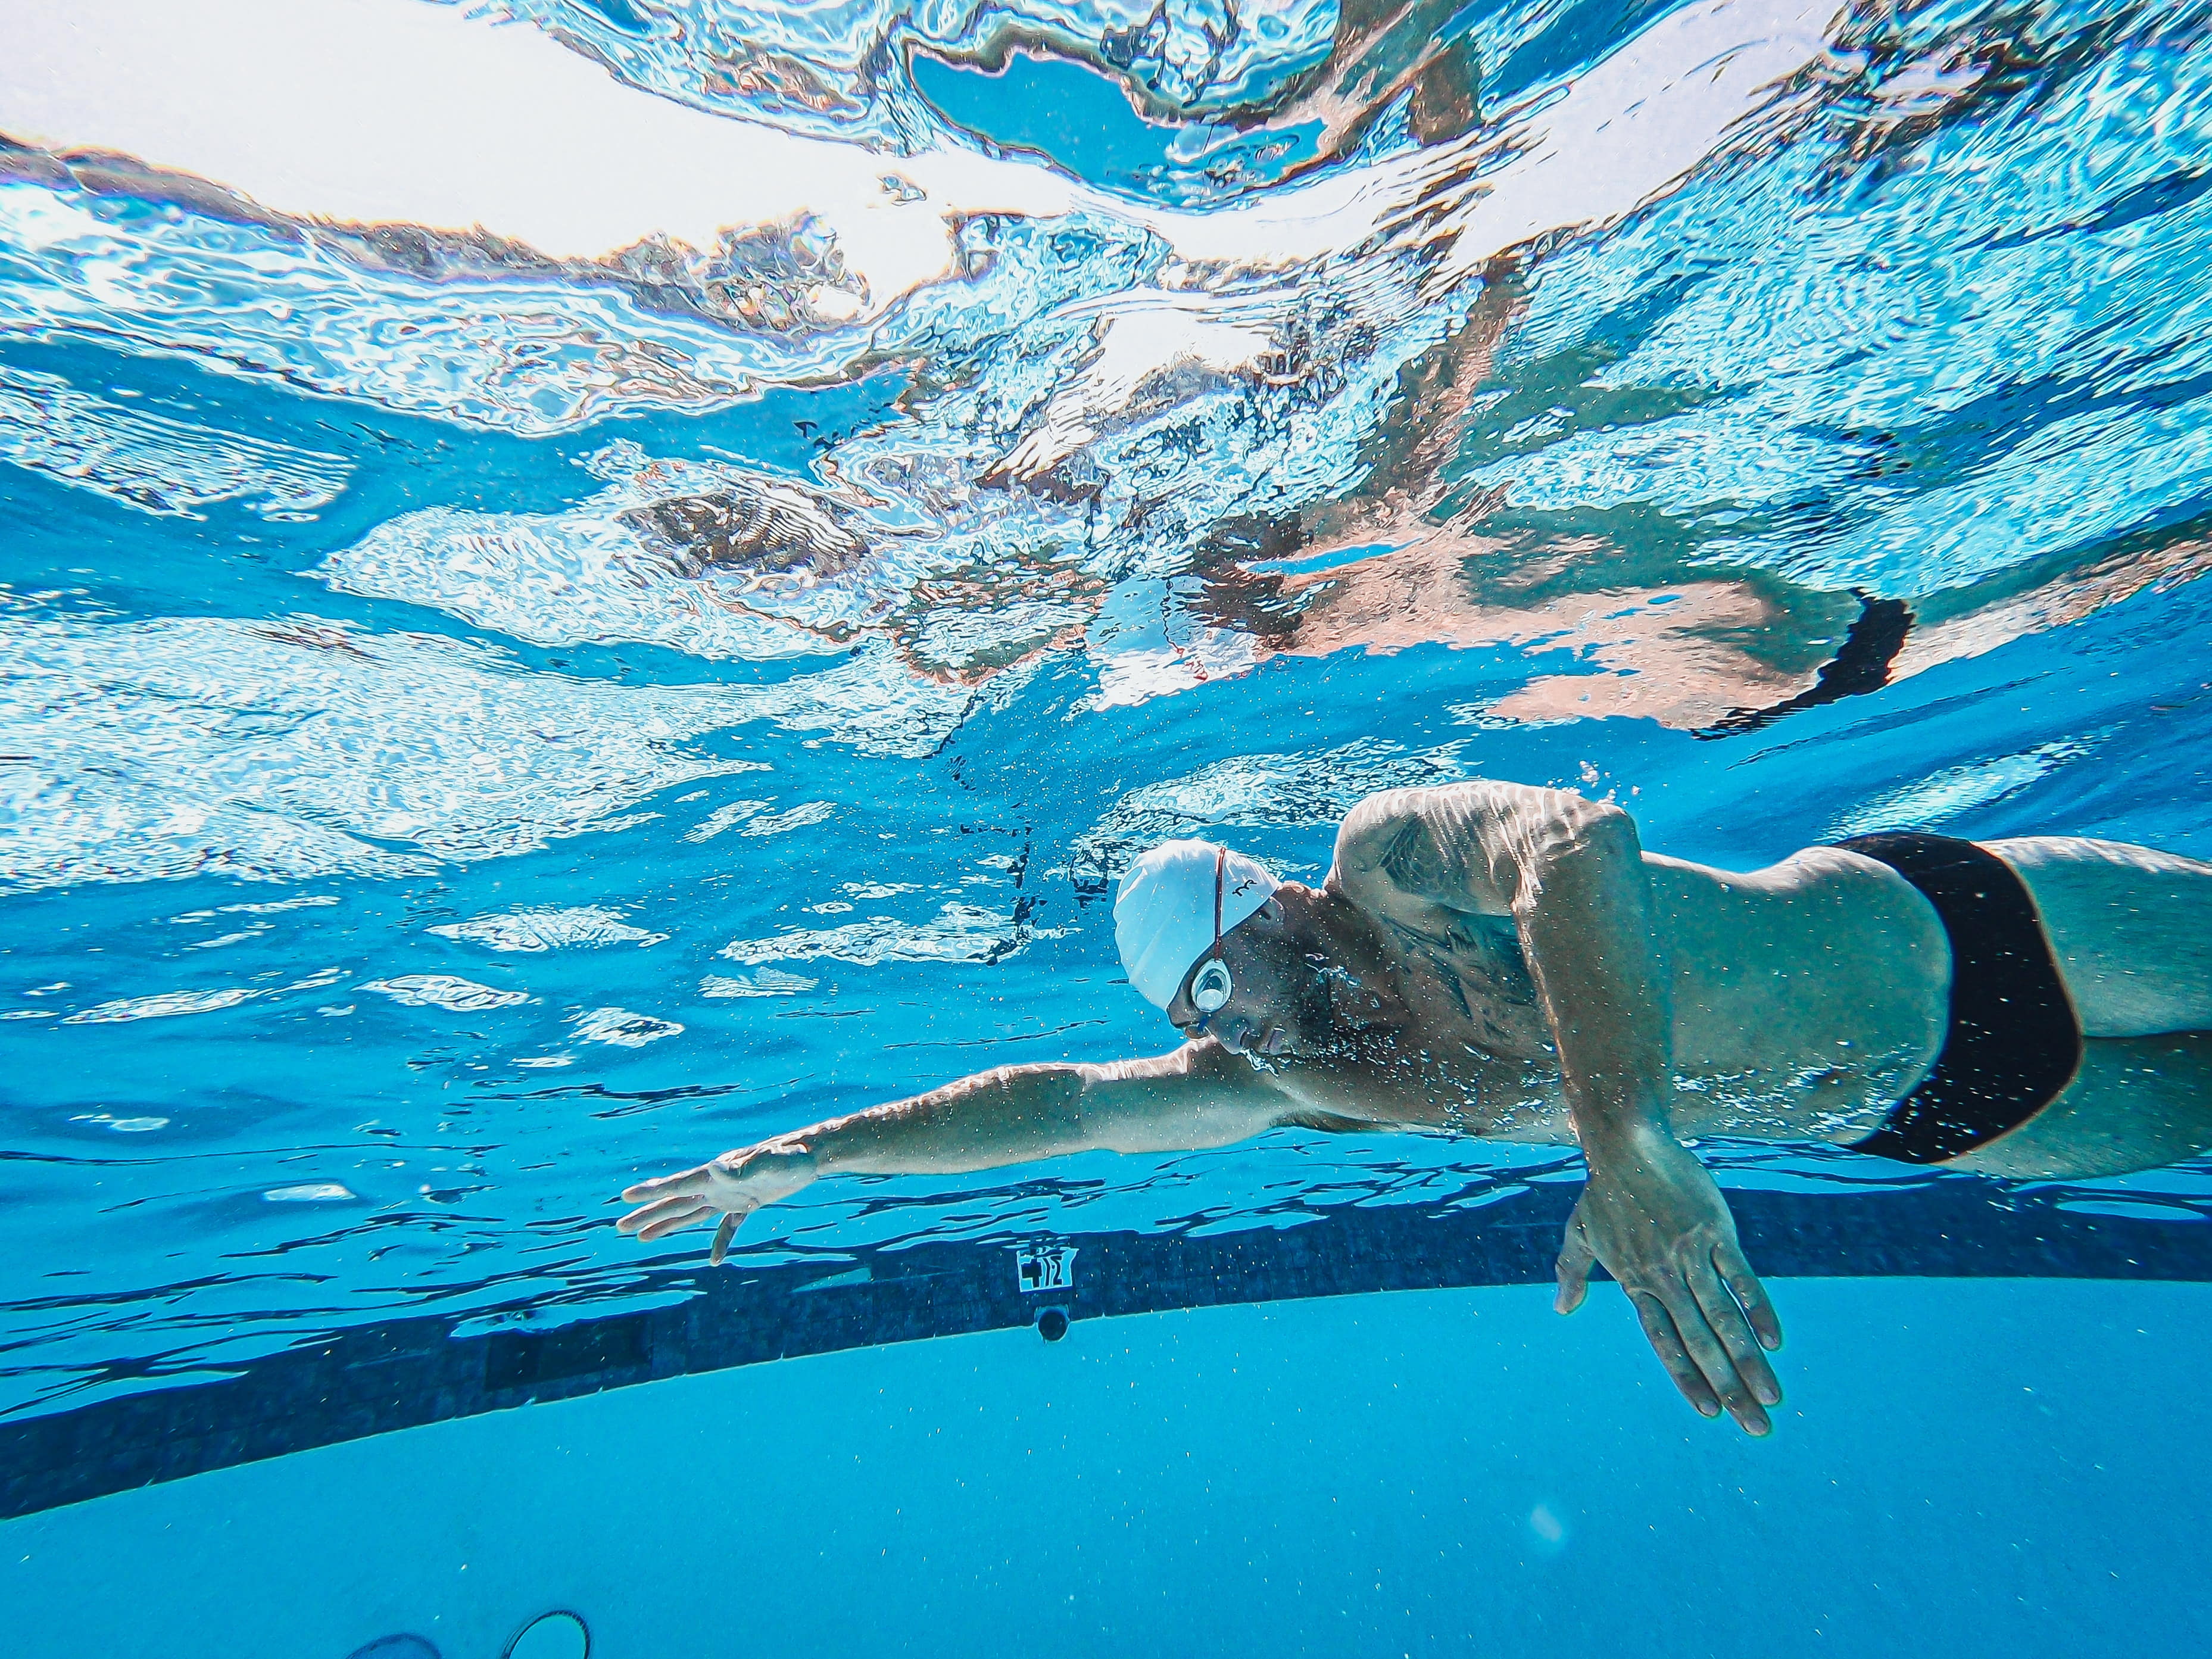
(1211,988)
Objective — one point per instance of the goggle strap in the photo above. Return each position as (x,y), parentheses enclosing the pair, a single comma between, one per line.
(1213,951)
(1220,860)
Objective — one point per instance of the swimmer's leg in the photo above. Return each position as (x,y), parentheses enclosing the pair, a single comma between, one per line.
(2136,1103)
(2131,929)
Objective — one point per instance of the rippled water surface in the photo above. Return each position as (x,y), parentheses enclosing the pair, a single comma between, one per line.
(634,586)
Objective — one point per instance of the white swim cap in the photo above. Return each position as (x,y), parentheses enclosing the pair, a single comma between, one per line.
(1164,914)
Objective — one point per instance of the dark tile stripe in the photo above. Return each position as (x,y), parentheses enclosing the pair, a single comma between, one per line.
(413,1371)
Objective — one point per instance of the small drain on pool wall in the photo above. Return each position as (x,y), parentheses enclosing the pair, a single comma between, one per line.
(1051,1323)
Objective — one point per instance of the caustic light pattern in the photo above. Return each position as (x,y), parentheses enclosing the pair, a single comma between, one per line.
(589,580)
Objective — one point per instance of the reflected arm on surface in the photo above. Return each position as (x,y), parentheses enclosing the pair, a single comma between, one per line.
(1570,873)
(1199,1095)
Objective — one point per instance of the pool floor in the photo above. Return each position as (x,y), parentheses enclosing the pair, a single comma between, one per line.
(1962,1468)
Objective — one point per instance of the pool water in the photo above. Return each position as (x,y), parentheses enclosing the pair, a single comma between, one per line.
(586,583)
(1419,1472)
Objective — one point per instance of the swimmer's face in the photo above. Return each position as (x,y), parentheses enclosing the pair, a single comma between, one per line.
(1278,1004)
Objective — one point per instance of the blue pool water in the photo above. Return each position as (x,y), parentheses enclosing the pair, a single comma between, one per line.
(1416,1474)
(524,667)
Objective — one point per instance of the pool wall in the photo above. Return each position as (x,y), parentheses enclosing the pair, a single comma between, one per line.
(404,1374)
(1999,1468)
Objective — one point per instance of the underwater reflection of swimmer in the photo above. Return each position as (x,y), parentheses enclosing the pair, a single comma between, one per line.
(1507,963)
(1863,665)
(1409,557)
(1669,653)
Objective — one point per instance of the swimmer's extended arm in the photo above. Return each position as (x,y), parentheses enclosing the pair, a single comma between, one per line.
(1570,872)
(1200,1096)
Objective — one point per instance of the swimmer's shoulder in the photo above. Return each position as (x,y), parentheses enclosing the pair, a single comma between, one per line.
(1406,854)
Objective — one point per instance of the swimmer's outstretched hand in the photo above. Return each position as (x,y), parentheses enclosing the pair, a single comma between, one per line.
(733,1187)
(1653,1216)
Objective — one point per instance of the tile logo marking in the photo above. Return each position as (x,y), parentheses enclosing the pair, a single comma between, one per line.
(1044,1267)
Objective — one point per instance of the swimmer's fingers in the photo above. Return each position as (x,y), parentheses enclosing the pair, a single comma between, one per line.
(1576,1256)
(658,1220)
(1750,1292)
(1666,1342)
(670,1215)
(1710,1355)
(1746,1382)
(673,1222)
(691,1183)
(723,1234)
(646,1214)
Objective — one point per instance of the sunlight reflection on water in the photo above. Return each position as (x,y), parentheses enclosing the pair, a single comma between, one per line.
(711,679)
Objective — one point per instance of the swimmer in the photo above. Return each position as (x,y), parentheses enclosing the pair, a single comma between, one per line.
(1508,962)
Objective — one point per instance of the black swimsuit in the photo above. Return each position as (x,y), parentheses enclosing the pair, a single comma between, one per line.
(2013,1042)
